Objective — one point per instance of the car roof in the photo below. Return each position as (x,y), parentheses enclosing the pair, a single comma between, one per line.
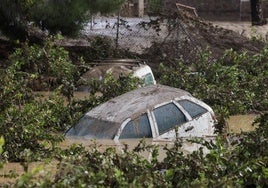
(116,66)
(135,102)
(121,61)
(130,63)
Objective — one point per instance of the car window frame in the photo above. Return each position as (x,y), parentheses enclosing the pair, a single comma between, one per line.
(195,100)
(87,117)
(186,114)
(149,115)
(137,128)
(196,103)
(144,77)
(152,119)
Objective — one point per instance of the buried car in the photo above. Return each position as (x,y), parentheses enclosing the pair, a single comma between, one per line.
(116,67)
(156,111)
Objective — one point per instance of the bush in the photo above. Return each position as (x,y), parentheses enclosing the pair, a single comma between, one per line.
(67,17)
(29,131)
(238,163)
(48,65)
(231,85)
(28,124)
(33,126)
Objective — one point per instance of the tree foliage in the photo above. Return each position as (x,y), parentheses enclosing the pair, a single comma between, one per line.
(26,123)
(237,163)
(65,16)
(29,128)
(232,85)
(13,17)
(256,13)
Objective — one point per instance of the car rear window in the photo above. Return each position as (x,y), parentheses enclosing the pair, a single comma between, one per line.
(168,116)
(192,108)
(138,128)
(94,128)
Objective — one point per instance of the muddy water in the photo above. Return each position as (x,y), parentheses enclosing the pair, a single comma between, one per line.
(42,169)
(236,124)
(47,94)
(10,172)
(241,123)
(130,144)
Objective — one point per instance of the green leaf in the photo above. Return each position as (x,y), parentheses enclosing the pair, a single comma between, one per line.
(2,142)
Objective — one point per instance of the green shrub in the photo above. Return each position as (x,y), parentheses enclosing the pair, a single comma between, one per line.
(26,131)
(29,125)
(155,7)
(2,142)
(232,85)
(49,66)
(240,162)
(34,125)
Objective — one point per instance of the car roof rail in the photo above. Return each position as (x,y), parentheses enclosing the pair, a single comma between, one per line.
(119,62)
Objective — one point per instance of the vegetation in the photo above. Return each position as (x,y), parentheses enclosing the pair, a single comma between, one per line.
(31,126)
(231,85)
(2,142)
(66,17)
(155,6)
(37,121)
(240,163)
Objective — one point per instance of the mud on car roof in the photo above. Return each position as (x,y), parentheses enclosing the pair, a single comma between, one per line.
(121,61)
(135,101)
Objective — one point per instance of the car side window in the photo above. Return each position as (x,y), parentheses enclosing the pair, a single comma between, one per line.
(148,79)
(168,116)
(192,108)
(137,128)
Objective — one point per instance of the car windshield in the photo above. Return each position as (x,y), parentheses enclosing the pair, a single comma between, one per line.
(94,128)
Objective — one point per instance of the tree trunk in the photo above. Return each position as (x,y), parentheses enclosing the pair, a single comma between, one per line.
(256,13)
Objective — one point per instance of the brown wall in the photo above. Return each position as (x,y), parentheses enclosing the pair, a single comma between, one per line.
(209,9)
(133,8)
(220,9)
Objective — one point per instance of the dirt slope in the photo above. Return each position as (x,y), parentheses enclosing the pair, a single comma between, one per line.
(200,35)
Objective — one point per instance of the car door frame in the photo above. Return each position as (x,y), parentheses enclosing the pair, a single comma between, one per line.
(155,126)
(209,115)
(154,131)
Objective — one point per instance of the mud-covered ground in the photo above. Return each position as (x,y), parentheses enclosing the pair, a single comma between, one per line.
(216,37)
(245,29)
(179,36)
(193,36)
